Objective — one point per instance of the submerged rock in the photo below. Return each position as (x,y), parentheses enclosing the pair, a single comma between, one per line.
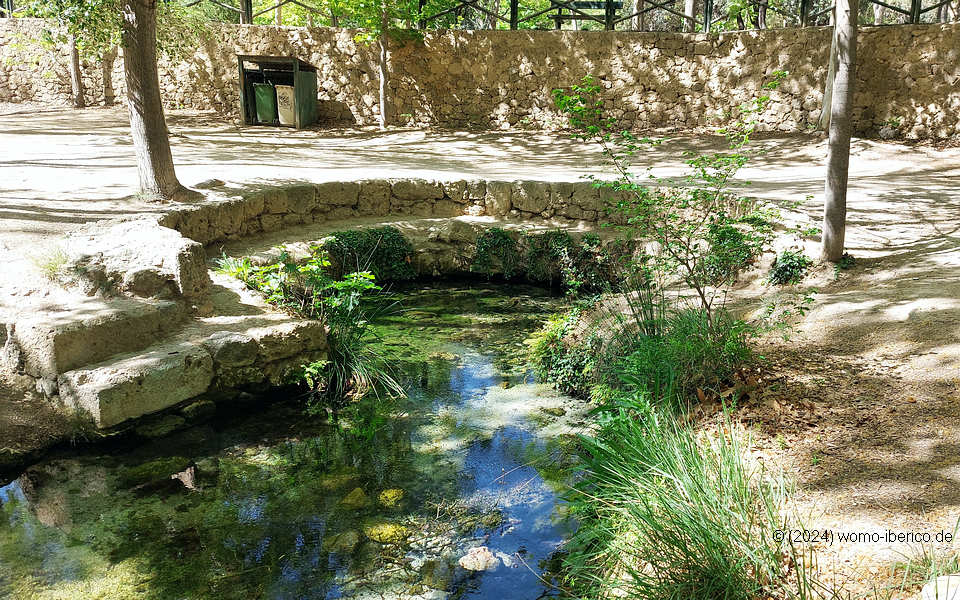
(385,532)
(436,574)
(479,559)
(356,499)
(554,411)
(390,498)
(342,543)
(153,472)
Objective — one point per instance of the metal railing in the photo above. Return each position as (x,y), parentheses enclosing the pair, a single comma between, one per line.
(607,13)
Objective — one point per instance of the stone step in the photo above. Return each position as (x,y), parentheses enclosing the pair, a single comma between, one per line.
(53,339)
(138,384)
(235,356)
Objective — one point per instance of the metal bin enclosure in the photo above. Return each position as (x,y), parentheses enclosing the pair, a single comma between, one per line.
(257,72)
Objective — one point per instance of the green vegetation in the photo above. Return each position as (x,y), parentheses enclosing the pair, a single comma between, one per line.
(346,304)
(789,267)
(383,251)
(497,252)
(52,264)
(666,512)
(582,265)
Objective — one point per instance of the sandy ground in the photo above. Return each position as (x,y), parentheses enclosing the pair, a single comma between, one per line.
(862,406)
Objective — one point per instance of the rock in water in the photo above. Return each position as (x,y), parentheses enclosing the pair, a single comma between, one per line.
(946,587)
(355,500)
(480,559)
(390,498)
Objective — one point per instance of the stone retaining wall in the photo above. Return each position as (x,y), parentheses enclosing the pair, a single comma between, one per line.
(273,208)
(908,75)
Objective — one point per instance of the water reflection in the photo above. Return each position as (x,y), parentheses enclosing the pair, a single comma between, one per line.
(276,505)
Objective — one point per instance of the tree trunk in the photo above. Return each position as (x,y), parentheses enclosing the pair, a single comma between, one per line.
(334,19)
(690,11)
(762,15)
(841,128)
(638,22)
(106,72)
(147,125)
(384,70)
(824,123)
(278,15)
(878,12)
(76,78)
(494,8)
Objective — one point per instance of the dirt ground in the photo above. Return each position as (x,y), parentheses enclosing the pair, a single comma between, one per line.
(862,405)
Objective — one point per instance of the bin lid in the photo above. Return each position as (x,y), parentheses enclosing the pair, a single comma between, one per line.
(276,62)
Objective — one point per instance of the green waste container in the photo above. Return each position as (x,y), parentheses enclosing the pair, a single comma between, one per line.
(266,101)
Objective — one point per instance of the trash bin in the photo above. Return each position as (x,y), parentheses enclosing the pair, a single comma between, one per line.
(285,103)
(277,90)
(266,101)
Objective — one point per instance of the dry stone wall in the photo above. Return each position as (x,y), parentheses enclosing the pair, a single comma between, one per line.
(274,208)
(908,75)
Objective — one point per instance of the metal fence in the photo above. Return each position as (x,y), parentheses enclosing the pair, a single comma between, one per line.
(608,14)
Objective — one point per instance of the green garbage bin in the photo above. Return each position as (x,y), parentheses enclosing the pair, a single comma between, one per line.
(266,102)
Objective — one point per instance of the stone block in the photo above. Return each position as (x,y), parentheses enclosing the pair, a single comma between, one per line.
(338,193)
(498,199)
(139,384)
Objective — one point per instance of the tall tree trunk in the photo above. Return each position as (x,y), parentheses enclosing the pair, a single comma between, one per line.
(824,123)
(638,22)
(278,15)
(841,129)
(384,70)
(76,77)
(494,8)
(147,125)
(878,12)
(106,73)
(690,11)
(762,15)
(334,19)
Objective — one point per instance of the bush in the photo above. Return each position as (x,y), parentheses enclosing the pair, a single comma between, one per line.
(666,514)
(669,354)
(497,252)
(345,304)
(572,368)
(789,267)
(383,251)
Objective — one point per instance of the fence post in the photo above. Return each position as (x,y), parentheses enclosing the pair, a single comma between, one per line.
(707,15)
(514,14)
(804,12)
(915,8)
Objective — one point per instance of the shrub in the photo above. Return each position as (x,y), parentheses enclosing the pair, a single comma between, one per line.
(345,304)
(497,252)
(383,251)
(570,367)
(667,514)
(789,267)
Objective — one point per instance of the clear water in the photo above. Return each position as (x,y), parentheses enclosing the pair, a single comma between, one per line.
(273,504)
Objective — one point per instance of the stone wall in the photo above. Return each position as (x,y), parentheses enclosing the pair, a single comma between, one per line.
(502,79)
(273,208)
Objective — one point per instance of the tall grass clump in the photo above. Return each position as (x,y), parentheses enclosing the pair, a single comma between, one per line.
(666,514)
(347,304)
